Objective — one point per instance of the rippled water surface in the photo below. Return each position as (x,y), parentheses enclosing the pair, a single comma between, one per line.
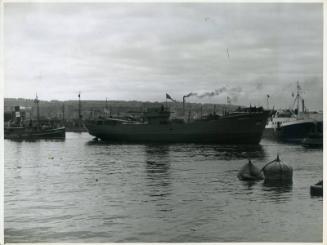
(77,190)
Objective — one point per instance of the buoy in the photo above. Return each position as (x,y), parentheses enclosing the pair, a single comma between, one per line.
(317,189)
(250,172)
(278,172)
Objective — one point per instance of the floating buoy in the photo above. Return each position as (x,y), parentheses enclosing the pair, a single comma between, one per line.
(317,189)
(277,172)
(250,172)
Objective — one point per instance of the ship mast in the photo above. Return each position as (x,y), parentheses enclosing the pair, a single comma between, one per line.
(106,108)
(298,97)
(268,96)
(37,101)
(79,106)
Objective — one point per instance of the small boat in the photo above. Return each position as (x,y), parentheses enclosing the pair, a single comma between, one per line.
(317,189)
(249,172)
(30,133)
(20,128)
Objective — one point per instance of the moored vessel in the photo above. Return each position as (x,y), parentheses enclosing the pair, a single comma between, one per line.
(295,126)
(23,128)
(31,133)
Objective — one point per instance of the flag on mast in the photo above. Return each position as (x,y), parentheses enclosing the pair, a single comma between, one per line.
(170,98)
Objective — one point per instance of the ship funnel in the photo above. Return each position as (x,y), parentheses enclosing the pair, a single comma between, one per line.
(183,105)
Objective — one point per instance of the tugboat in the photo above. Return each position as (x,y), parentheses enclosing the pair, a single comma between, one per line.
(244,126)
(21,129)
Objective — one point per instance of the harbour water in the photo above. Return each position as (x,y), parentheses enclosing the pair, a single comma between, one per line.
(78,190)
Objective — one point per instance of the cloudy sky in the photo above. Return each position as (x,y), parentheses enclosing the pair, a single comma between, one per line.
(140,51)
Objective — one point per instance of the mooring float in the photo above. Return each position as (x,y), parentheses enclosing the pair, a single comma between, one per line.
(250,172)
(277,172)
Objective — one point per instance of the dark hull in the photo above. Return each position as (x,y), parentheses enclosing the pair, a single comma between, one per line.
(296,132)
(316,190)
(76,129)
(314,140)
(30,134)
(235,129)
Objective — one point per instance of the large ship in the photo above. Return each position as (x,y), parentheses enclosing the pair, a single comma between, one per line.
(295,126)
(22,127)
(244,126)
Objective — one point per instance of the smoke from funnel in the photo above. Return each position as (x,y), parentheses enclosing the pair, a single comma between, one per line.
(232,92)
(213,93)
(190,94)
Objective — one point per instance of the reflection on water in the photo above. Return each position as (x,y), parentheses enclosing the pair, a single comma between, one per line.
(240,152)
(249,184)
(36,140)
(79,190)
(277,192)
(157,166)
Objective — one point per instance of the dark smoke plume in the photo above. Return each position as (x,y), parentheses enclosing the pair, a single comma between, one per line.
(233,91)
(213,93)
(190,94)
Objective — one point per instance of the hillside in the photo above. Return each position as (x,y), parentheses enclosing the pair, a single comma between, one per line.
(55,108)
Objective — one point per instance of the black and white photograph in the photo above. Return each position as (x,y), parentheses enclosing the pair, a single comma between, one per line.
(175,122)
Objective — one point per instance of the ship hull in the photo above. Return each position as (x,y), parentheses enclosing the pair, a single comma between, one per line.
(236,129)
(297,131)
(30,134)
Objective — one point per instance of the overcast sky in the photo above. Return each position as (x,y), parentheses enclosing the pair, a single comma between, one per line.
(140,51)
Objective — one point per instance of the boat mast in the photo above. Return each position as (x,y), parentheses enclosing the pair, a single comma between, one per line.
(79,106)
(37,101)
(298,97)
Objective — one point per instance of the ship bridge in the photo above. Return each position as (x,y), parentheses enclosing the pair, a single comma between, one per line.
(157,115)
